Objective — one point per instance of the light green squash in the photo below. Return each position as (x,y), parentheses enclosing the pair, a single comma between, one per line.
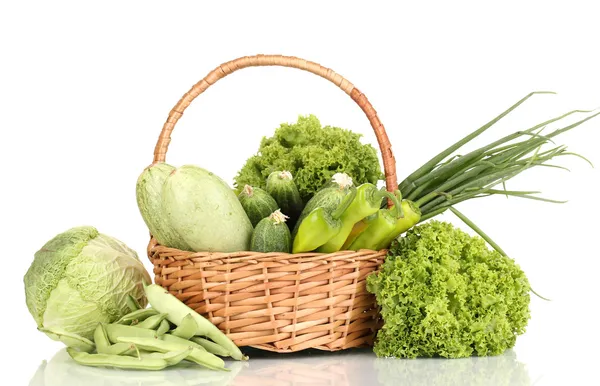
(205,211)
(149,199)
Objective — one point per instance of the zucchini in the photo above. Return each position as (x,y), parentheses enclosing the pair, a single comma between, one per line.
(257,203)
(203,209)
(272,234)
(281,186)
(149,199)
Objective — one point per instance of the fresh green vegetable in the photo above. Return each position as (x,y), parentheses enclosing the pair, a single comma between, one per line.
(382,229)
(103,345)
(187,328)
(118,361)
(163,327)
(210,346)
(196,355)
(380,226)
(132,303)
(272,235)
(61,370)
(172,357)
(205,211)
(313,154)
(136,316)
(152,322)
(149,199)
(367,202)
(257,203)
(357,229)
(448,178)
(116,344)
(81,278)
(170,338)
(444,293)
(330,196)
(321,224)
(115,331)
(164,302)
(412,215)
(281,186)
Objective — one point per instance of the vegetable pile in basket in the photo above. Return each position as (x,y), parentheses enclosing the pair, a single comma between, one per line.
(441,292)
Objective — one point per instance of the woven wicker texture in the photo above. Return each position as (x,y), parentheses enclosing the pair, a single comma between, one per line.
(277,301)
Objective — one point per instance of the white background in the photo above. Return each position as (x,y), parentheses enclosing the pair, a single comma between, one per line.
(85,88)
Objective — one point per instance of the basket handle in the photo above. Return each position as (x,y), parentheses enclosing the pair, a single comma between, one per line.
(389,162)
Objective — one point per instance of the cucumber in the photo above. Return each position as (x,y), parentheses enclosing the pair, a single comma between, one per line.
(281,186)
(149,199)
(257,203)
(272,234)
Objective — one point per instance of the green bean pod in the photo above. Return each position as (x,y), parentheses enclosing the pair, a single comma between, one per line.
(163,301)
(210,346)
(132,303)
(70,340)
(172,358)
(200,357)
(118,361)
(115,331)
(187,328)
(180,341)
(137,315)
(103,345)
(152,322)
(163,327)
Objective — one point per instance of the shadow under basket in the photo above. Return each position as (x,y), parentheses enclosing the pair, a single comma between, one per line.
(278,301)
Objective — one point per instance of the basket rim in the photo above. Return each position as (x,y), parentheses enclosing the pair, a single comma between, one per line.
(253,257)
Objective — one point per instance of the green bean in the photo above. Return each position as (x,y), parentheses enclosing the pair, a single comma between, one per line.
(101,339)
(138,315)
(210,346)
(172,358)
(132,303)
(200,357)
(187,328)
(152,322)
(163,301)
(70,340)
(163,328)
(118,361)
(115,331)
(180,341)
(103,345)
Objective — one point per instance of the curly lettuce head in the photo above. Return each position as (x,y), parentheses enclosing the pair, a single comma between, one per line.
(79,279)
(444,293)
(313,154)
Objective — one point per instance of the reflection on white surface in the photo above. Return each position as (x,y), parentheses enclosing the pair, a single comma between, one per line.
(347,368)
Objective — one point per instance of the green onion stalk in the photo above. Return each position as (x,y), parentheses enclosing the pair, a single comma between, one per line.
(449,179)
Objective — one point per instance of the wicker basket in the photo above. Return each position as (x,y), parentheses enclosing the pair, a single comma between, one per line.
(277,301)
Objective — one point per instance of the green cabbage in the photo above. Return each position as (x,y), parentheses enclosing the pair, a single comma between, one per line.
(444,293)
(80,278)
(313,154)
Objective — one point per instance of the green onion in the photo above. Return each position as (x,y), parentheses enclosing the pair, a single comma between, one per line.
(448,178)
